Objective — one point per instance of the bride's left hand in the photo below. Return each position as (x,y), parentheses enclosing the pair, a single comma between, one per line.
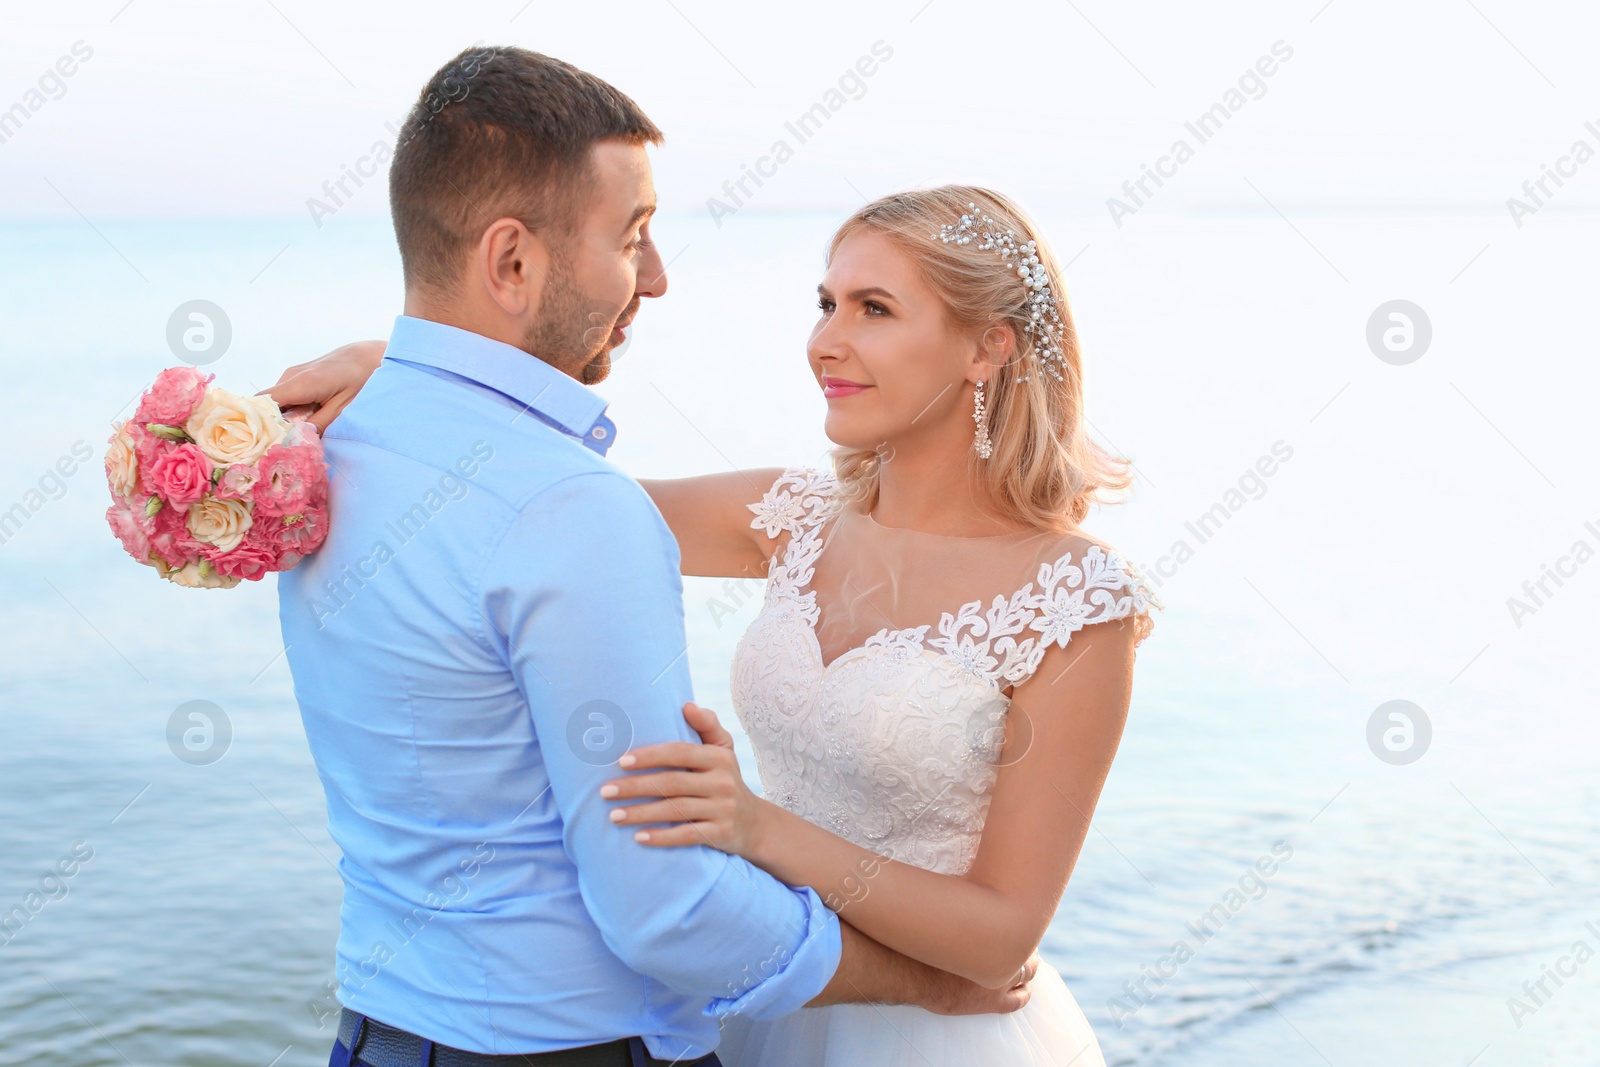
(706,799)
(319,390)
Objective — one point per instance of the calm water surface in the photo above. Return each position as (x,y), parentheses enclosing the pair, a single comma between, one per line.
(1408,903)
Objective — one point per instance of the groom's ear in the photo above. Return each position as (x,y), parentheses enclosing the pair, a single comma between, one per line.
(513,264)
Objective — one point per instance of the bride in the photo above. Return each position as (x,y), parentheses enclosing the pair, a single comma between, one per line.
(937,681)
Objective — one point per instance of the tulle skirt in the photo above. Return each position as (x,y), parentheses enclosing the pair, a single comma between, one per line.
(1050,1031)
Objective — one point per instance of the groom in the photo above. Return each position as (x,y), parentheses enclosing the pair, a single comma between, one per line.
(497,616)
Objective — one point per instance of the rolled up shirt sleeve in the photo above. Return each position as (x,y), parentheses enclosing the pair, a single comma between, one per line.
(584,595)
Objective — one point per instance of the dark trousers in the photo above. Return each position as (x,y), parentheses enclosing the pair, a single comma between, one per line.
(365,1042)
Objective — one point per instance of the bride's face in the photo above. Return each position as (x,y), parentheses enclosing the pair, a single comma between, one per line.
(889,361)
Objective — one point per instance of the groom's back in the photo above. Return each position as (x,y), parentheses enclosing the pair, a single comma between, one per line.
(458,882)
(434,778)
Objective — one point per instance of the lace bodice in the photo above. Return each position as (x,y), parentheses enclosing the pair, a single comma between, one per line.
(893,744)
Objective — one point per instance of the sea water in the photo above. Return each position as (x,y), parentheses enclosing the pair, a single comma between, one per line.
(1330,530)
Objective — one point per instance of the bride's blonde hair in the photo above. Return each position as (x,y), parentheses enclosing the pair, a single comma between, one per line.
(1045,470)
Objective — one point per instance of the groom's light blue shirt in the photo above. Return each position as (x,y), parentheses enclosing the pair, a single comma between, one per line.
(495,617)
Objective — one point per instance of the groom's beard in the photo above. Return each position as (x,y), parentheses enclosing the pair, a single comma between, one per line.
(598,366)
(572,334)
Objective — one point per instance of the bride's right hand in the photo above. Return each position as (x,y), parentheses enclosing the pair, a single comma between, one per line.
(319,390)
(969,998)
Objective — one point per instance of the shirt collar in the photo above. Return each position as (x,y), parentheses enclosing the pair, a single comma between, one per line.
(534,385)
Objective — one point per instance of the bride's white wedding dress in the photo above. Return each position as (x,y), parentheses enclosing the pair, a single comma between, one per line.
(872,685)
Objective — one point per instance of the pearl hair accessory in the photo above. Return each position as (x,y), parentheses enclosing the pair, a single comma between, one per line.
(1043,327)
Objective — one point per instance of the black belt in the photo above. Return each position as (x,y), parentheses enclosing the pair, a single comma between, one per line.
(367,1041)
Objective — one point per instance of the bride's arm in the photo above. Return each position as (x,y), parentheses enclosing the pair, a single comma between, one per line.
(1063,730)
(710,517)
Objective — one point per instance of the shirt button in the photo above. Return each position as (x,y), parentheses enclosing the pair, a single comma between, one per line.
(598,433)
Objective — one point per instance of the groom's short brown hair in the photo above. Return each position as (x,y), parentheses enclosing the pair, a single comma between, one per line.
(499,132)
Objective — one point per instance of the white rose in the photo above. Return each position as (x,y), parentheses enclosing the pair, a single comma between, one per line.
(219,522)
(189,576)
(235,429)
(122,464)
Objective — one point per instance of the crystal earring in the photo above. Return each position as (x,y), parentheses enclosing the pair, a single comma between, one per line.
(980,440)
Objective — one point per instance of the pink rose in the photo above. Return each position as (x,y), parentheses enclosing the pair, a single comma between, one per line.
(174,396)
(304,532)
(238,482)
(181,475)
(130,530)
(304,438)
(251,560)
(171,540)
(289,478)
(147,449)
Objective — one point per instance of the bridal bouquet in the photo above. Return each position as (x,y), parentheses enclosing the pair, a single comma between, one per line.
(209,487)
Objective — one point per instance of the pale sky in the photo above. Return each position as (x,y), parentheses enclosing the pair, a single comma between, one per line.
(245,107)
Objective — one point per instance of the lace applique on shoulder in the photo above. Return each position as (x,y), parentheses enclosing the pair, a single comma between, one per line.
(1101,587)
(796,504)
(1063,599)
(799,499)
